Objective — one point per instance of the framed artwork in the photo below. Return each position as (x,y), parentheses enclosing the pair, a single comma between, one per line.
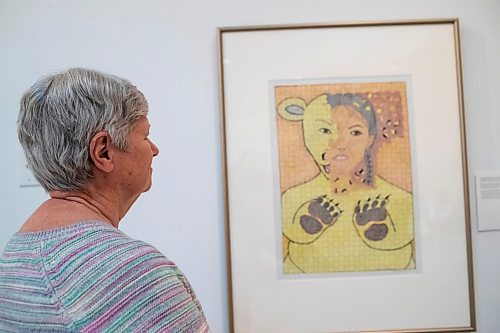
(345,178)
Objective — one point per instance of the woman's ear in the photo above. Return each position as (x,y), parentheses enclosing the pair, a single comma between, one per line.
(292,109)
(100,153)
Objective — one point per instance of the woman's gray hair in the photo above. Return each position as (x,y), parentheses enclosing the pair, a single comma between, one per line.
(61,113)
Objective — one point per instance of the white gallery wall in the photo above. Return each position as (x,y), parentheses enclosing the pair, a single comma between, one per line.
(168,49)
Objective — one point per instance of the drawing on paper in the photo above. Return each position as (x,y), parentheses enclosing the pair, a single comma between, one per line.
(345,177)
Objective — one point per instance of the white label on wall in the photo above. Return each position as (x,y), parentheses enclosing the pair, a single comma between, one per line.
(488,200)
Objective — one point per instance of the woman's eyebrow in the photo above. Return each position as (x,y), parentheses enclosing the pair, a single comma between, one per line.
(355,125)
(324,121)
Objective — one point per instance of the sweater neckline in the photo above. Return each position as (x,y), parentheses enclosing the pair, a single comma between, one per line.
(79,226)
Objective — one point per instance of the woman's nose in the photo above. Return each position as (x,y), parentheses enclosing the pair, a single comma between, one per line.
(155,149)
(338,143)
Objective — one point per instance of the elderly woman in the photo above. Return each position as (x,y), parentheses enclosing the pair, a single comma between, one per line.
(69,268)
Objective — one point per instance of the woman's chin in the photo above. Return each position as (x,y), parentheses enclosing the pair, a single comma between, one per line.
(341,167)
(340,173)
(337,171)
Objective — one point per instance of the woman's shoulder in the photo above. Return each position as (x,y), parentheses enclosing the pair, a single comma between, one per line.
(383,185)
(120,281)
(95,245)
(315,186)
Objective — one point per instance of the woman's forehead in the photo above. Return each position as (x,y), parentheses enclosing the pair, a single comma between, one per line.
(141,124)
(347,115)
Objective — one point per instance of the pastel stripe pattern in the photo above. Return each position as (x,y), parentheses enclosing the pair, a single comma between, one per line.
(91,277)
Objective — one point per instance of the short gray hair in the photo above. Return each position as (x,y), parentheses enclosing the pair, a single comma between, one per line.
(61,113)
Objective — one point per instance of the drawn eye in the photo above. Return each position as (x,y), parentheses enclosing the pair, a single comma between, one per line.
(356,133)
(325,130)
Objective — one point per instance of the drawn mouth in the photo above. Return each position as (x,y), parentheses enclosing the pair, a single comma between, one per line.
(340,157)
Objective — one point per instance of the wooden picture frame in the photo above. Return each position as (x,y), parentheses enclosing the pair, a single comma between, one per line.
(269,74)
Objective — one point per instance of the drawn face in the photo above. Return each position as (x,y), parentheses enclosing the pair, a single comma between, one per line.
(336,138)
(348,142)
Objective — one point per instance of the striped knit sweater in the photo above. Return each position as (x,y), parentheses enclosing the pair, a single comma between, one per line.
(91,277)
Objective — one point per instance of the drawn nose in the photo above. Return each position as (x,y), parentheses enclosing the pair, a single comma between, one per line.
(338,144)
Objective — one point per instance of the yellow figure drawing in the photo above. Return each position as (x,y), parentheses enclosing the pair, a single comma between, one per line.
(345,218)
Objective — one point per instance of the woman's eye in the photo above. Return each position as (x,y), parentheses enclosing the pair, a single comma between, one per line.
(356,133)
(325,130)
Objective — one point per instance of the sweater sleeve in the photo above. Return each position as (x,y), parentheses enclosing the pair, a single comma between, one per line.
(115,284)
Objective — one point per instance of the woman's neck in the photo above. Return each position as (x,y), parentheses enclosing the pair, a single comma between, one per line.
(101,205)
(67,208)
(343,184)
(340,184)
